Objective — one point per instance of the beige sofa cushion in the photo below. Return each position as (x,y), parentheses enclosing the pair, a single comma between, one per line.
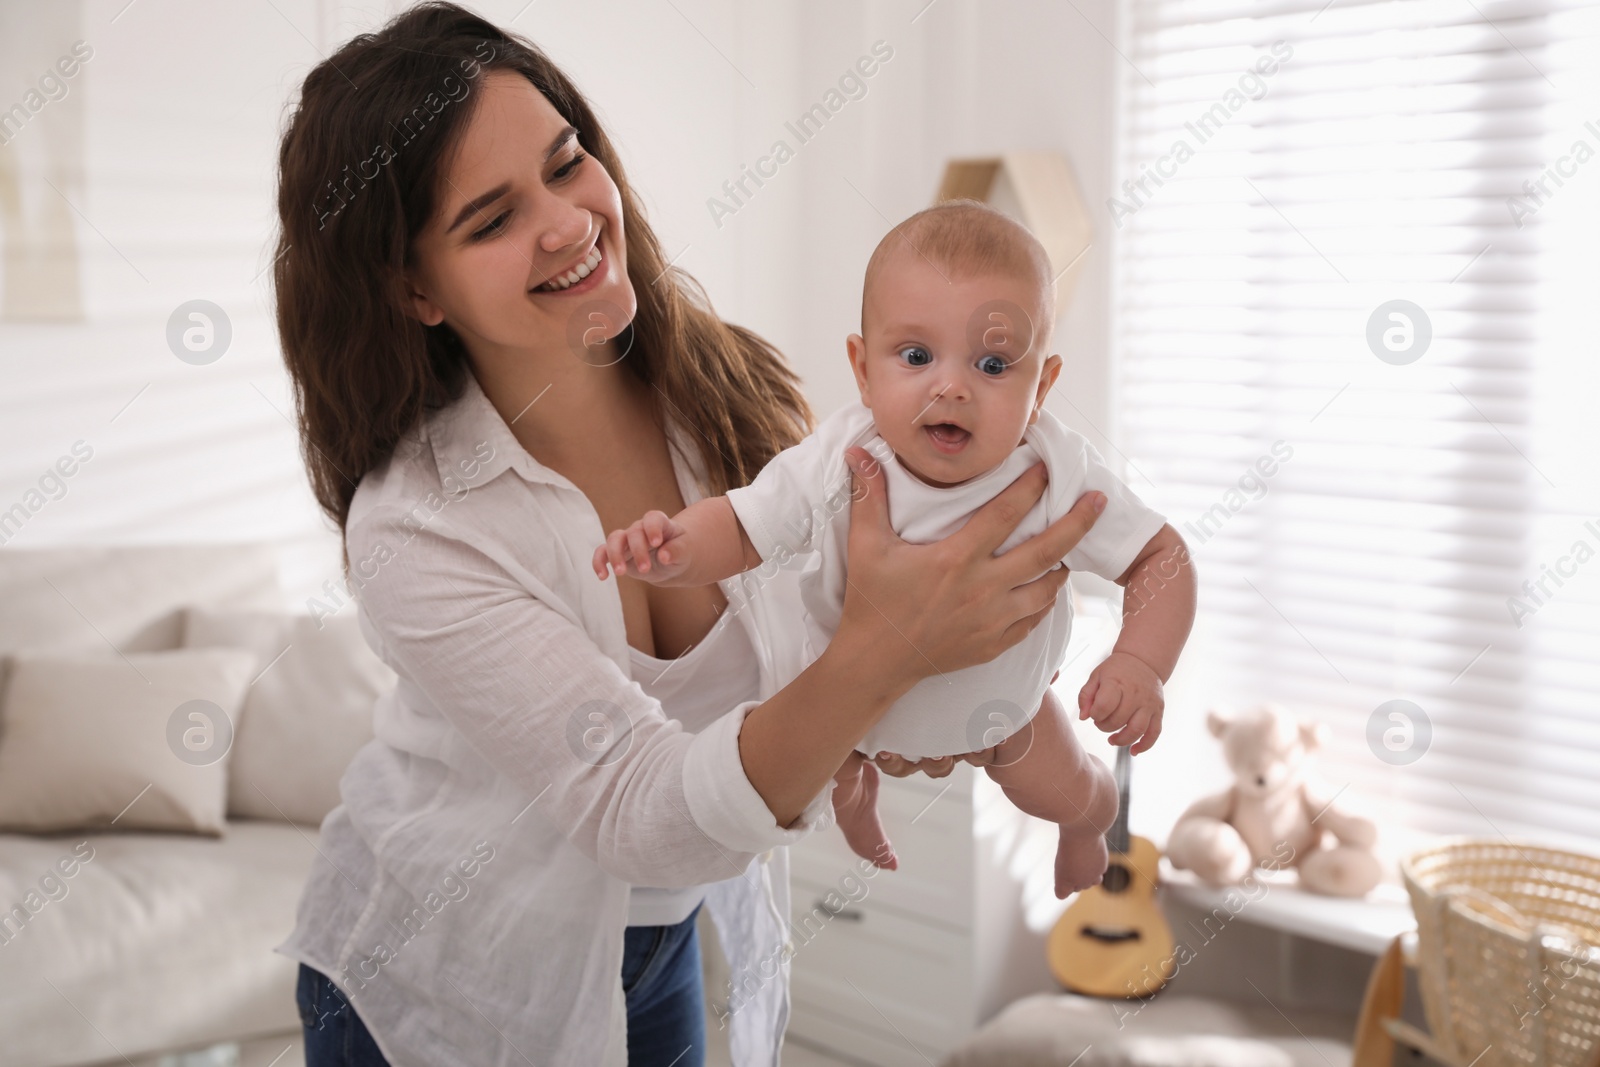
(305,716)
(161,941)
(97,740)
(124,597)
(128,597)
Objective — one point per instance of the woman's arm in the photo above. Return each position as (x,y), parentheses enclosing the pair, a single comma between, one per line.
(910,611)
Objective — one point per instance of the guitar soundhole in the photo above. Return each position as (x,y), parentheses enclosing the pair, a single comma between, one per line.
(1116,878)
(1111,934)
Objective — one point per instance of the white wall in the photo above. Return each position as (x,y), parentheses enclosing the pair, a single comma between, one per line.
(967,80)
(171,201)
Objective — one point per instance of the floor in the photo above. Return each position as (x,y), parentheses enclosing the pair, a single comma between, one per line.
(287,1051)
(795,1054)
(282,1051)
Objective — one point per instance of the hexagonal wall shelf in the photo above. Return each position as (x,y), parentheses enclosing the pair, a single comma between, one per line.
(1039,191)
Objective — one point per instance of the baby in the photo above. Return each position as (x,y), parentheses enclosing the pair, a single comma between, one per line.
(957,308)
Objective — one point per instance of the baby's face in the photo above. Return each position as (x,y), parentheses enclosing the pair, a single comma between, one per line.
(952,369)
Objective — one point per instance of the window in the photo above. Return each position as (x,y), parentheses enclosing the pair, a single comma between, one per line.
(1356,286)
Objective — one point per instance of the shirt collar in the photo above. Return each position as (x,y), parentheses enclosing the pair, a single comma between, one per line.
(472,445)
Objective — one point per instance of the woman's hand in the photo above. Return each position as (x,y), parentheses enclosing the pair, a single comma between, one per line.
(897,766)
(928,609)
(933,766)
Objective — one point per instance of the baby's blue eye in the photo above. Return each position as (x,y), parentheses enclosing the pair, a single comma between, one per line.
(916,355)
(992,364)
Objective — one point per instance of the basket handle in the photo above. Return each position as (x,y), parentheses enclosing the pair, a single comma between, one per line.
(1494,903)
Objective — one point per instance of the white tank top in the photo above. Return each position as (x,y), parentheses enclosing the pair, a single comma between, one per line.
(696,689)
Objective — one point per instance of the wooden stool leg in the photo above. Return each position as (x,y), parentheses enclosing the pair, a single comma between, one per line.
(1386,990)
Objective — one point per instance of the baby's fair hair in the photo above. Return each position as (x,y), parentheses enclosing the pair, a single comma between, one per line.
(965,239)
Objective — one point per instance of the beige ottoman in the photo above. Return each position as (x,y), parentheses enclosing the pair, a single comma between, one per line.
(1165,1031)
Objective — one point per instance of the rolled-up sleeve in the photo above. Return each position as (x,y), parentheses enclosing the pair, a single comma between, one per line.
(530,691)
(727,806)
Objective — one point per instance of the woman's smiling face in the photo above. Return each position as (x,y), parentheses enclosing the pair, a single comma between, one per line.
(521,209)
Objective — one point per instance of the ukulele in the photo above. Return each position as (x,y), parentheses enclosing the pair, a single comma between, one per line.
(1113,941)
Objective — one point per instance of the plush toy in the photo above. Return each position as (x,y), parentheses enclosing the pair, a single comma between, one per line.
(1272,816)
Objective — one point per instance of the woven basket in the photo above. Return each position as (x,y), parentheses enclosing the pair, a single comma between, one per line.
(1508,967)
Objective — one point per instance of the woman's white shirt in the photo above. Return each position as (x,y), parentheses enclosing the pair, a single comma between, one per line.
(470,891)
(696,688)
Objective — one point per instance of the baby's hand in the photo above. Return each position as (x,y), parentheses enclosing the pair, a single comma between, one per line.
(652,549)
(1124,694)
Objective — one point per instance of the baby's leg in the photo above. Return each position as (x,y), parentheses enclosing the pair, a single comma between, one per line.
(855,805)
(1046,773)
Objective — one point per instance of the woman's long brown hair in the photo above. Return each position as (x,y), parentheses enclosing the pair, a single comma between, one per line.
(359,166)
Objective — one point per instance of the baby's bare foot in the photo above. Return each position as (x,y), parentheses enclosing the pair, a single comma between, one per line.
(1081,858)
(855,806)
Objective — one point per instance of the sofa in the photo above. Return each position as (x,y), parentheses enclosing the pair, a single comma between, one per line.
(152,930)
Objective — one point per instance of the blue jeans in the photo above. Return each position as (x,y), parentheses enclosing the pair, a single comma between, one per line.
(660,976)
(335,1034)
(666,997)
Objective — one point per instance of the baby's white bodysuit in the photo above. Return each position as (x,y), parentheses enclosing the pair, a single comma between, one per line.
(800,504)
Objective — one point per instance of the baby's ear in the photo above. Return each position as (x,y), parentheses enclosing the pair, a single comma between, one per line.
(1047,379)
(855,347)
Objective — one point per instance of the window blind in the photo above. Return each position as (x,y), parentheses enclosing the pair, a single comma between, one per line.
(1355,276)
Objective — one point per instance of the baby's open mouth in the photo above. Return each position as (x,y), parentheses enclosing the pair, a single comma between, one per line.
(947,436)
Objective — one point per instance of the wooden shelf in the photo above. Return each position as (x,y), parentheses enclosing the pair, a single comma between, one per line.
(1037,189)
(1364,925)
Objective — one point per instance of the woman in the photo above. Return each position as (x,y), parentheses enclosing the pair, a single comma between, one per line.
(555,744)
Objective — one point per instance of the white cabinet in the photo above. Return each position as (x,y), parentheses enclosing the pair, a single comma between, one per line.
(898,967)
